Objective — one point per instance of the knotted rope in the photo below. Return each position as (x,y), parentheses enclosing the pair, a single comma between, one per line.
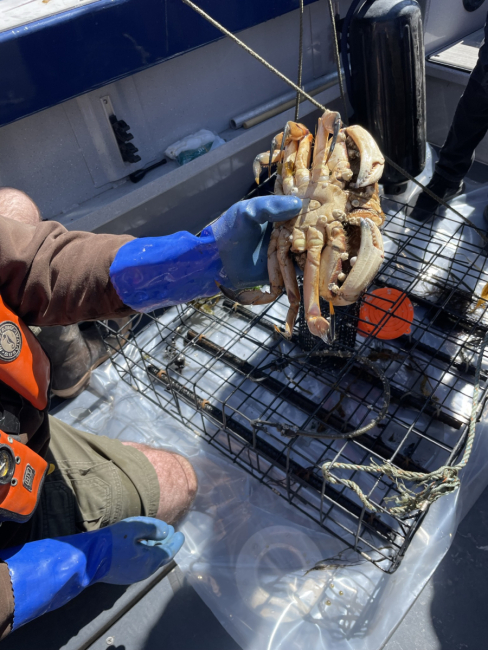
(429,486)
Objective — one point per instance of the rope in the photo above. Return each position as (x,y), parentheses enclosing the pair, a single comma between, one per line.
(300,62)
(254,54)
(313,101)
(337,57)
(433,485)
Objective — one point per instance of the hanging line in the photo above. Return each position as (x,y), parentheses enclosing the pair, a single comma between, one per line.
(300,62)
(337,57)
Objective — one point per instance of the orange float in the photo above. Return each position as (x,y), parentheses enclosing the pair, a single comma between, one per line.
(386,314)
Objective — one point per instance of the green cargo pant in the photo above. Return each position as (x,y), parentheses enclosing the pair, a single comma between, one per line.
(93,481)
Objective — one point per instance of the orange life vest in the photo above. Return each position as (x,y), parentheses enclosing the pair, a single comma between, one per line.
(25,368)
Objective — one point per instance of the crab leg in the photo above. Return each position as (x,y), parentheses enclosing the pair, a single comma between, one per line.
(302,164)
(289,278)
(331,121)
(340,168)
(278,186)
(288,169)
(311,241)
(276,142)
(295,131)
(293,135)
(333,256)
(317,324)
(266,159)
(321,152)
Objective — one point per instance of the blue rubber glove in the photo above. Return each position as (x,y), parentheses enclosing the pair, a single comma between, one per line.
(47,574)
(155,272)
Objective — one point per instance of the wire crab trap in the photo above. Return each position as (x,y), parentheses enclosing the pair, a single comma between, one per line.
(280,408)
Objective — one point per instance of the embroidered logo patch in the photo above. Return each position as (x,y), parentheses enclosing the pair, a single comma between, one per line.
(10,341)
(29,474)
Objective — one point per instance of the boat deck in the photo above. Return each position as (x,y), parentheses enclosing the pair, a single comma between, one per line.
(461,55)
(448,614)
(166,613)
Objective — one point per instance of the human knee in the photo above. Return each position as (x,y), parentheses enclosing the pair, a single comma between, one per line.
(16,205)
(177,480)
(177,484)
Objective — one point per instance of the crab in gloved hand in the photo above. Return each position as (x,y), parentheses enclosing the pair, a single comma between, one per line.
(335,239)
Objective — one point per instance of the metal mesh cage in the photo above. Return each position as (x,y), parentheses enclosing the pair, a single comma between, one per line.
(345,332)
(226,373)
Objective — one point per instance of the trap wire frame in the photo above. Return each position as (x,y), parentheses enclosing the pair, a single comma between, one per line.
(226,373)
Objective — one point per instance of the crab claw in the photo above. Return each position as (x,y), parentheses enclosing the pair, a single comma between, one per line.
(372,161)
(333,128)
(276,142)
(229,293)
(368,261)
(332,258)
(266,159)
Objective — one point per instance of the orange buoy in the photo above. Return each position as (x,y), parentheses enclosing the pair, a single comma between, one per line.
(386,314)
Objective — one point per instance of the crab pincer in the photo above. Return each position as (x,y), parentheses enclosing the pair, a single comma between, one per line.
(332,122)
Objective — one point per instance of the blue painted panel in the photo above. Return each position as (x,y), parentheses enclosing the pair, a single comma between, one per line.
(51,60)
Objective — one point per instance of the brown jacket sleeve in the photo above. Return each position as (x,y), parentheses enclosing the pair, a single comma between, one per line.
(6,602)
(49,276)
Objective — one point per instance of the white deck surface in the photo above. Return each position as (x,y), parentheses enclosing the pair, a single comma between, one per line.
(463,54)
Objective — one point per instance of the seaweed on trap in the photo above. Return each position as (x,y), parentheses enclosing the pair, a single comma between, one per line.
(451,308)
